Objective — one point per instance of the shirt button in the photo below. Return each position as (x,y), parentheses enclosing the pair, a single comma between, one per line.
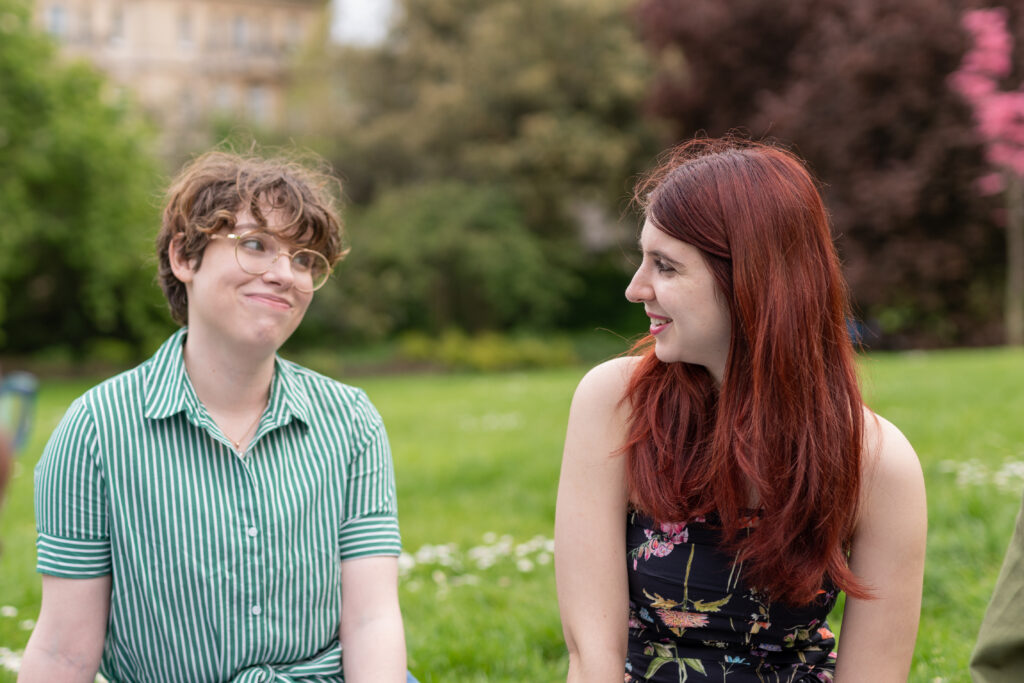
(253,531)
(256,610)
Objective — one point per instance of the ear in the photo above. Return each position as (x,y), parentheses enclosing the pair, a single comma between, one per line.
(183,269)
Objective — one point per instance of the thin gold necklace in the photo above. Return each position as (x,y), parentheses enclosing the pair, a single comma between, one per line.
(238,444)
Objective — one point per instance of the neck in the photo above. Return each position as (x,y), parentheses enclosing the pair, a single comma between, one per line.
(228,381)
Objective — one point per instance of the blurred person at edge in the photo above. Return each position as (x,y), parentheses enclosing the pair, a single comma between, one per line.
(6,453)
(721,487)
(998,655)
(201,517)
(6,461)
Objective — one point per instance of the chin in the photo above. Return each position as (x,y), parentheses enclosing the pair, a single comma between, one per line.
(666,355)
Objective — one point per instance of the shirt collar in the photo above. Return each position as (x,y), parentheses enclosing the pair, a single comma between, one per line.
(169,390)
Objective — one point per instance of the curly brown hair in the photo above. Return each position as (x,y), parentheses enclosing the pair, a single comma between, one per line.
(207,194)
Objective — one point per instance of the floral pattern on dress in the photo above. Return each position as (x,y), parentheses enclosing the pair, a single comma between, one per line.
(692,618)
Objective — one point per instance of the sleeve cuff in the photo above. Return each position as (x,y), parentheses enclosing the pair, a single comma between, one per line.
(369,536)
(72,558)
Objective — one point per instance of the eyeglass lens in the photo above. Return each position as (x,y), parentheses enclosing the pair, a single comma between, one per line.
(257,251)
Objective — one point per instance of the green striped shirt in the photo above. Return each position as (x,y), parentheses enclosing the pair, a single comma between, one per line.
(223,567)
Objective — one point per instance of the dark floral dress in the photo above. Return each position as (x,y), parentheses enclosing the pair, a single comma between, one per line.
(692,618)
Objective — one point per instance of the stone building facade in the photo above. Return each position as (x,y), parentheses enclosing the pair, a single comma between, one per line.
(189,60)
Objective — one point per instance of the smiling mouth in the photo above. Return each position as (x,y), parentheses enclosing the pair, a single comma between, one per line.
(659,324)
(273,301)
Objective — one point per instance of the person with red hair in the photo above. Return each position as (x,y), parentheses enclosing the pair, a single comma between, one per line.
(722,485)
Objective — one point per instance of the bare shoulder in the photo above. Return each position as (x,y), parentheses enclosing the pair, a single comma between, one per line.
(605,385)
(892,475)
(598,417)
(887,452)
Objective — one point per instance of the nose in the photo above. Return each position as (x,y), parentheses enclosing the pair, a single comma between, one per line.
(639,290)
(280,271)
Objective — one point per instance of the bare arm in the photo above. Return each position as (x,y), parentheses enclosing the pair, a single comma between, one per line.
(590,528)
(876,644)
(67,642)
(372,636)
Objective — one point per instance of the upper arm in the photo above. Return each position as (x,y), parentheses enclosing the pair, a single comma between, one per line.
(72,521)
(370,525)
(590,519)
(371,634)
(67,642)
(369,585)
(887,555)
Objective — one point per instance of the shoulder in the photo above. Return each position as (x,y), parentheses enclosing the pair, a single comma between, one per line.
(330,399)
(893,482)
(117,397)
(119,388)
(324,389)
(599,415)
(887,454)
(604,386)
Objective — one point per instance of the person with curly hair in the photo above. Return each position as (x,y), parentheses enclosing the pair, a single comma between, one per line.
(219,513)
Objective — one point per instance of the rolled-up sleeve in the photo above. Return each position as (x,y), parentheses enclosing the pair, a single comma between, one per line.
(73,536)
(371,512)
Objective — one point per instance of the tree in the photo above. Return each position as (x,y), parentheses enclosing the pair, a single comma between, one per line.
(77,187)
(540,98)
(436,256)
(1000,124)
(542,92)
(860,90)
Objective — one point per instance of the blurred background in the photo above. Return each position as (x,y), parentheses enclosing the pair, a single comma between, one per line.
(487,151)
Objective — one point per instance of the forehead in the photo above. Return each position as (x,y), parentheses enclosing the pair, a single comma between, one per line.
(653,239)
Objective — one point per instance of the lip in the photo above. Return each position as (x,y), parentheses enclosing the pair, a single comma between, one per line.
(658,323)
(270,300)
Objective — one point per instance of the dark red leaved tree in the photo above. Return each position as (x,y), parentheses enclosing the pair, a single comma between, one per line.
(859,89)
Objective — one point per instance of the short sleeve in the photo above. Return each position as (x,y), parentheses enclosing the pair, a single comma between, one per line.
(371,513)
(73,538)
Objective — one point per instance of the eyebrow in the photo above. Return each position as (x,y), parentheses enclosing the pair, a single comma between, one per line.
(658,254)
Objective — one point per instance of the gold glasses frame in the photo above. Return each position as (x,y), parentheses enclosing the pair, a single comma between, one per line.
(239,239)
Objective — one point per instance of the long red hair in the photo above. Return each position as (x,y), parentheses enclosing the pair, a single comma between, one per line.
(784,430)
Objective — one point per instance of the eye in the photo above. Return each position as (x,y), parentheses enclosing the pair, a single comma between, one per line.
(661,266)
(303,260)
(253,243)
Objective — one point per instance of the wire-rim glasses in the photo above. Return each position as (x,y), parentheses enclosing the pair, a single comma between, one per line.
(256,252)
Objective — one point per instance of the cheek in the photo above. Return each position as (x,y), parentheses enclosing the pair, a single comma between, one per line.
(302,305)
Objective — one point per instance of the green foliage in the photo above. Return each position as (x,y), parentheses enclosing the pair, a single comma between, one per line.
(544,93)
(487,352)
(77,183)
(434,256)
(541,98)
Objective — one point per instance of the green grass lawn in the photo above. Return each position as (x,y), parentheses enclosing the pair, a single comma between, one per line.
(477,459)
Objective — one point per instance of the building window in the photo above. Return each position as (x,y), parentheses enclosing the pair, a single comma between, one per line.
(222,100)
(185,30)
(293,33)
(117,26)
(188,107)
(260,35)
(257,104)
(85,25)
(239,32)
(57,20)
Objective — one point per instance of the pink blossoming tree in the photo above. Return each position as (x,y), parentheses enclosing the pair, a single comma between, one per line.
(999,116)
